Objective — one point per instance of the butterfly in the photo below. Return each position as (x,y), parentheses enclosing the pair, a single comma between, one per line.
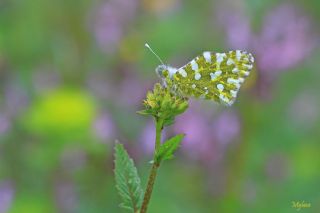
(212,76)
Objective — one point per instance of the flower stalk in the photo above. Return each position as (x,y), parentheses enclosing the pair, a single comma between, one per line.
(164,107)
(154,169)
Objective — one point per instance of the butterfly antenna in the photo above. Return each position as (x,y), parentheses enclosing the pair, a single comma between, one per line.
(147,46)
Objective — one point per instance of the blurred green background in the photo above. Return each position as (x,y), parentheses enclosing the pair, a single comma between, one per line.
(73,74)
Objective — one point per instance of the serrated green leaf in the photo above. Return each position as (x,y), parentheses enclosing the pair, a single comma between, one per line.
(127,180)
(168,148)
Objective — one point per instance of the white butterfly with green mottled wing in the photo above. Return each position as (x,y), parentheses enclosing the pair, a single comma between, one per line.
(214,76)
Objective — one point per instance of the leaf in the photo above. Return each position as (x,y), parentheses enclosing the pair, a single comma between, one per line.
(127,180)
(168,121)
(143,112)
(168,148)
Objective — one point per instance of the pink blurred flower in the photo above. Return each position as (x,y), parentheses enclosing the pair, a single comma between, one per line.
(5,123)
(207,135)
(66,196)
(111,19)
(104,127)
(237,27)
(148,136)
(15,99)
(286,38)
(129,90)
(132,90)
(226,127)
(198,142)
(6,195)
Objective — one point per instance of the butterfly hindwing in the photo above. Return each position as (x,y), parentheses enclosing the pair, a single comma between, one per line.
(214,76)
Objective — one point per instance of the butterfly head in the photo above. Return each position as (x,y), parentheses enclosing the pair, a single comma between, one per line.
(161,69)
(164,71)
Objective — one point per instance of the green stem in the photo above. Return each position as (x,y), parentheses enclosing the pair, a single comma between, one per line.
(154,169)
(159,124)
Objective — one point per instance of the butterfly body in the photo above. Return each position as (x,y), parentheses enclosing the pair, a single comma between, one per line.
(213,76)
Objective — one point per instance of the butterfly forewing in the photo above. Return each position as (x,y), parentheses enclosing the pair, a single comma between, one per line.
(215,76)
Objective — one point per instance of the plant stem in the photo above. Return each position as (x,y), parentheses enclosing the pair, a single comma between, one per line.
(159,124)
(154,169)
(147,195)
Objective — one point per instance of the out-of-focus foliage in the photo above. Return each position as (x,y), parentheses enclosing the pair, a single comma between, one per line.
(74,73)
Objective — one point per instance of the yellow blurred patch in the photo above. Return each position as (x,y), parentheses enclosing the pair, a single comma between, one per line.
(62,111)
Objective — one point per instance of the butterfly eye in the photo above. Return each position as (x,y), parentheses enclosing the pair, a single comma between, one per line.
(160,69)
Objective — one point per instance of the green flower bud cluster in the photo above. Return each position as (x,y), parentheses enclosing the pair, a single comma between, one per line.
(164,105)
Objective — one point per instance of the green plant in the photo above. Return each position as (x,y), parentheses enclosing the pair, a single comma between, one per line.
(163,105)
(213,76)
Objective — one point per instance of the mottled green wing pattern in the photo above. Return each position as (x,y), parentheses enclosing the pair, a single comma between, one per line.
(214,76)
